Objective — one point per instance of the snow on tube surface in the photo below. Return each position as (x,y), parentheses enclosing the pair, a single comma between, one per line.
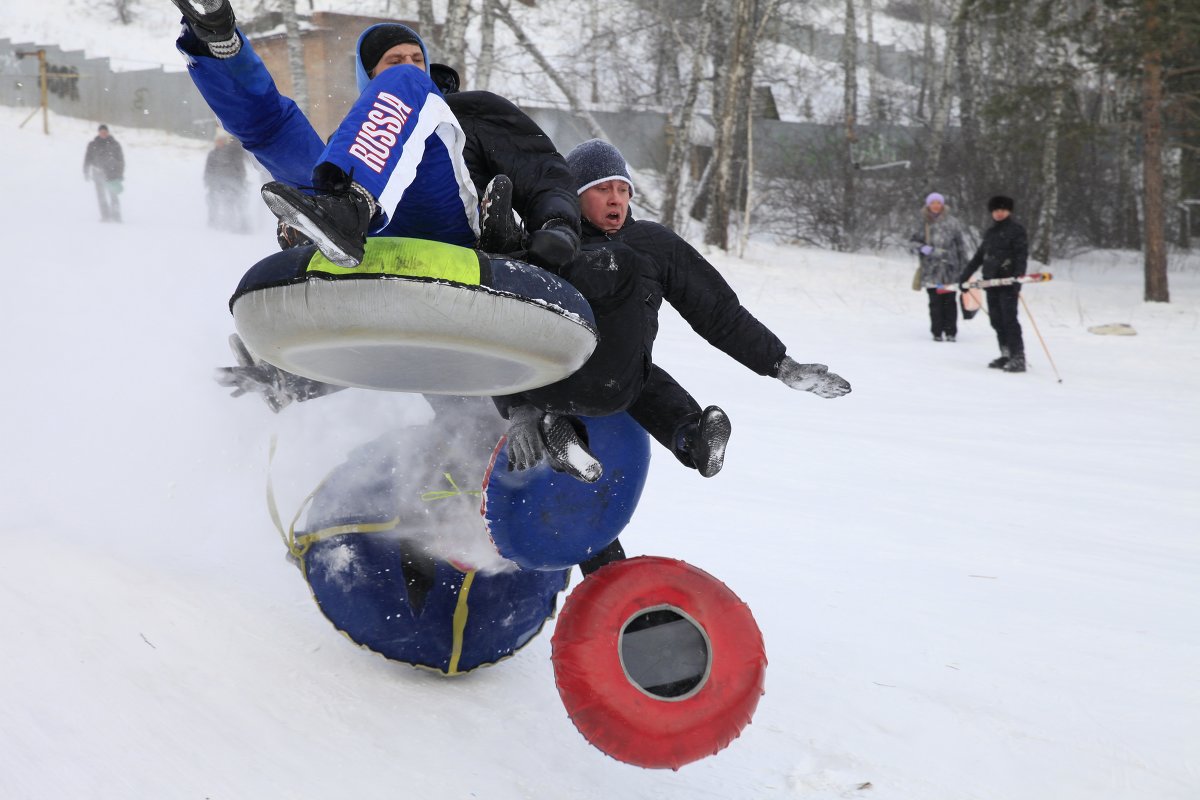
(415,316)
(369,558)
(542,519)
(658,663)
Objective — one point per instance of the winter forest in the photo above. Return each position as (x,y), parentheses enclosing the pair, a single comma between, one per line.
(1089,110)
(823,122)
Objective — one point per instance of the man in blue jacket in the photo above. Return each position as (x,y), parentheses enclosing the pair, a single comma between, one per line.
(406,161)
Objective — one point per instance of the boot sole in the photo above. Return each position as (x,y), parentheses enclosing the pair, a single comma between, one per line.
(284,207)
(567,452)
(714,432)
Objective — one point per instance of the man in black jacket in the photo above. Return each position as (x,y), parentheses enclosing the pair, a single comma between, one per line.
(671,269)
(1003,253)
(104,165)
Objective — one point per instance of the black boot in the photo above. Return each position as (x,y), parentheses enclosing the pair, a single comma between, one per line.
(704,442)
(567,450)
(998,363)
(499,230)
(1015,364)
(213,23)
(336,218)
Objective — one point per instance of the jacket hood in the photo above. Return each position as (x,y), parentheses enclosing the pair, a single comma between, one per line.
(360,72)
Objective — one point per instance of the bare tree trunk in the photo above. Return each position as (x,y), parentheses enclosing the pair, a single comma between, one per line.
(739,59)
(453,41)
(874,101)
(295,48)
(941,106)
(681,122)
(1152,162)
(425,17)
(926,57)
(1048,214)
(850,112)
(487,46)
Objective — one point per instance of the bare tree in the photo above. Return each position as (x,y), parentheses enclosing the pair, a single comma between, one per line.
(453,43)
(1152,162)
(739,62)
(487,46)
(295,48)
(503,14)
(683,117)
(425,17)
(943,97)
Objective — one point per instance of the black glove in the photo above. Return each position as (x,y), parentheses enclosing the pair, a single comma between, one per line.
(554,246)
(815,378)
(525,448)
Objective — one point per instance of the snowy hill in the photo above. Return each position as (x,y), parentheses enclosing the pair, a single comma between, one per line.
(972,585)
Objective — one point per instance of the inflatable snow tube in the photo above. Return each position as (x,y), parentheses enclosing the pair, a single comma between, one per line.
(415,316)
(388,596)
(547,520)
(380,561)
(658,663)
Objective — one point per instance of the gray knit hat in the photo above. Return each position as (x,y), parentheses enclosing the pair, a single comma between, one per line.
(596,161)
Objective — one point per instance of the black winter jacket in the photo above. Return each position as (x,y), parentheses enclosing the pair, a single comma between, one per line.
(1002,253)
(104,155)
(503,140)
(673,270)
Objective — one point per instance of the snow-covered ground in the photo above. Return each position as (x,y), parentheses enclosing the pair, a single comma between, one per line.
(971,584)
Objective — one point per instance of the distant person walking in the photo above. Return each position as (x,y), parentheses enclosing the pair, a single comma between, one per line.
(941,248)
(104,165)
(225,182)
(1003,253)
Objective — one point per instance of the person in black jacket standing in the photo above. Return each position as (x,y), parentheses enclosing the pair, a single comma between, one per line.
(1003,253)
(104,165)
(673,270)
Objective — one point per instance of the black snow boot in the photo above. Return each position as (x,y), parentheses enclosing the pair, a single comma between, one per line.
(998,363)
(499,230)
(705,441)
(1015,364)
(213,23)
(566,449)
(336,218)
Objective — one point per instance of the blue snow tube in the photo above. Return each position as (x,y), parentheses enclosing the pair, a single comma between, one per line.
(415,316)
(367,557)
(547,520)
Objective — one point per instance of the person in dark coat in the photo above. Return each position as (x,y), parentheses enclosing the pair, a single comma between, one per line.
(225,185)
(1003,253)
(104,165)
(941,246)
(674,271)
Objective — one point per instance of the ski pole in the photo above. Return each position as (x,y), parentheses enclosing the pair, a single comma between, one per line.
(1033,321)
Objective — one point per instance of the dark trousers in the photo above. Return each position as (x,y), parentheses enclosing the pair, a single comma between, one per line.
(1002,310)
(663,409)
(943,313)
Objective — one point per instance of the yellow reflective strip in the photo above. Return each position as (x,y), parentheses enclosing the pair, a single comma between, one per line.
(408,258)
(460,622)
(307,540)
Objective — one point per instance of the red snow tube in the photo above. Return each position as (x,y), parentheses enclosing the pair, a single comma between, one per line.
(658,663)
